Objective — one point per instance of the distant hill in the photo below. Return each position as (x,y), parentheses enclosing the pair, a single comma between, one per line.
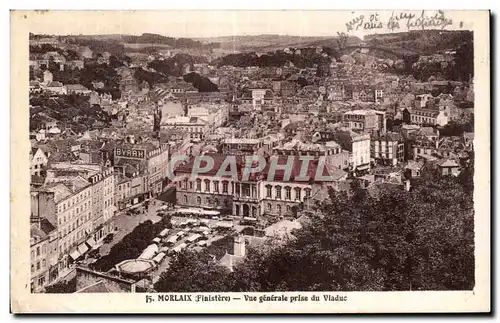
(174,66)
(272,42)
(410,46)
(147,38)
(421,42)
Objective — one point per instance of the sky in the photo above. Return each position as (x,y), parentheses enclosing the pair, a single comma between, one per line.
(195,24)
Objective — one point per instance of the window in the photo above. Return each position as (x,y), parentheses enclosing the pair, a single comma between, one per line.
(279,208)
(185,185)
(216,186)
(237,189)
(207,200)
(198,184)
(207,185)
(198,200)
(190,185)
(288,192)
(37,251)
(278,192)
(246,190)
(44,263)
(288,208)
(32,254)
(38,265)
(185,199)
(269,191)
(32,268)
(298,193)
(269,207)
(225,187)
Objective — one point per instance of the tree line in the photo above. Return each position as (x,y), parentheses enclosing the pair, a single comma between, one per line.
(398,241)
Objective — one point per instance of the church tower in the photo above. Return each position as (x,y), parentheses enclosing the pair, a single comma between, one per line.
(157,120)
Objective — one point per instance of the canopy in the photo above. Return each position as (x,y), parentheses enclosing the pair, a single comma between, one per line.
(163,233)
(134,266)
(195,211)
(193,237)
(159,257)
(180,247)
(91,242)
(75,255)
(83,248)
(172,239)
(156,240)
(149,252)
(225,224)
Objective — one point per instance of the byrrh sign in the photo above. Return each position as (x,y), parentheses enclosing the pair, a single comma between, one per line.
(130,153)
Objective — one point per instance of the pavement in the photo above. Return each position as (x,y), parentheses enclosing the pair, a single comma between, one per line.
(126,224)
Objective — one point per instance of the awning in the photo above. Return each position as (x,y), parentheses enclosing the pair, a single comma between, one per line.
(91,242)
(74,255)
(97,245)
(363,167)
(83,248)
(113,208)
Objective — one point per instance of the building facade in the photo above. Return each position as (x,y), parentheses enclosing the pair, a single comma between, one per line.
(388,149)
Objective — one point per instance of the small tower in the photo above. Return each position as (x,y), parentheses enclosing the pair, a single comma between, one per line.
(157,120)
(47,77)
(239,246)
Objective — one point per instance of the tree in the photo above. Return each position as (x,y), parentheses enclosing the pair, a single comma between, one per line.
(194,272)
(62,287)
(396,241)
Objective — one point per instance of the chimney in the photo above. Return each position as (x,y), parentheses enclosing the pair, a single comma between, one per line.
(407,185)
(239,246)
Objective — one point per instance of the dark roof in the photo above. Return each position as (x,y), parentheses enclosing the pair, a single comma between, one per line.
(296,167)
(99,287)
(35,179)
(389,136)
(46,226)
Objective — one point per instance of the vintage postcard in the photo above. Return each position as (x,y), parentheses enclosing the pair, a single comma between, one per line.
(250,161)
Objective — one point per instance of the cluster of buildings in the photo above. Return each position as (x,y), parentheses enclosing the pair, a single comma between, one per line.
(349,119)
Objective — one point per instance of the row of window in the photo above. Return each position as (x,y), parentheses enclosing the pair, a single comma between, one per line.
(423,119)
(208,201)
(74,200)
(65,246)
(247,189)
(37,251)
(39,265)
(269,208)
(288,192)
(328,152)
(74,213)
(72,227)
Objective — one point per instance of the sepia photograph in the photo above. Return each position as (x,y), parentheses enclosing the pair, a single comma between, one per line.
(273,158)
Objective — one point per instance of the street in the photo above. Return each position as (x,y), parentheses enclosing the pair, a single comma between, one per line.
(127,223)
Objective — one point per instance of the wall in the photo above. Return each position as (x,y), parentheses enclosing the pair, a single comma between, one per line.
(85,278)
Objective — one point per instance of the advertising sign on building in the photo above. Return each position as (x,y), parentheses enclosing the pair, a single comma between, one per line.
(130,153)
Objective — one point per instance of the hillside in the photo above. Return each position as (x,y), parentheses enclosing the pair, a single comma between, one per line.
(272,42)
(420,42)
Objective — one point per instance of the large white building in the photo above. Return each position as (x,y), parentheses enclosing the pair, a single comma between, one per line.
(195,126)
(358,146)
(78,200)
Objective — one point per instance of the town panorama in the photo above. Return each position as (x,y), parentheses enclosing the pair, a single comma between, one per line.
(251,163)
